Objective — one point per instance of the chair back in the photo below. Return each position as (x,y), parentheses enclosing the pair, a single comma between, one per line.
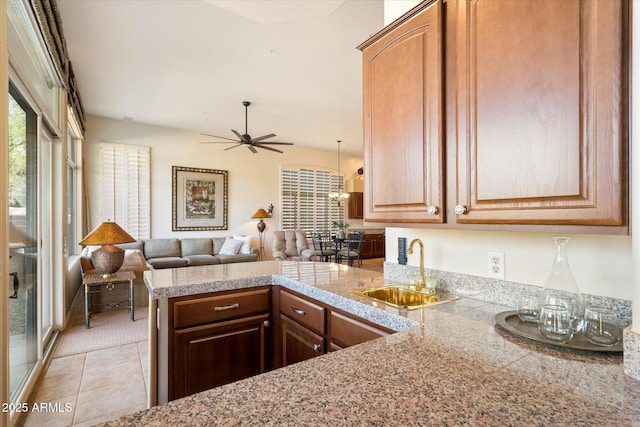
(354,240)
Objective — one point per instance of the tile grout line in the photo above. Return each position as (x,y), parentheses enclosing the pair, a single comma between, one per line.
(75,412)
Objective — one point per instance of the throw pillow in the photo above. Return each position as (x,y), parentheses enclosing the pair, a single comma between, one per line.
(231,246)
(133,257)
(246,243)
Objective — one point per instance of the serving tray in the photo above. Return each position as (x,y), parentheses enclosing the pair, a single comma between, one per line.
(510,321)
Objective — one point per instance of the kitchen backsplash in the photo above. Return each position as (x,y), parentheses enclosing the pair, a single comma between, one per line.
(491,290)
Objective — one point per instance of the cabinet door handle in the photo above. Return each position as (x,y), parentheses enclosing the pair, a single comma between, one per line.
(316,348)
(432,210)
(227,307)
(298,311)
(460,209)
(266,323)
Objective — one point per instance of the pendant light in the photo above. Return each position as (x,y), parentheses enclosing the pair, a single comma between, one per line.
(339,196)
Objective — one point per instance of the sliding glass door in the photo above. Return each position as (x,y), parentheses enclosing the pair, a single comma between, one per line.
(23,238)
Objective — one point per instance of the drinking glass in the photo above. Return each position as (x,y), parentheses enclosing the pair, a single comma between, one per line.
(555,323)
(601,326)
(529,306)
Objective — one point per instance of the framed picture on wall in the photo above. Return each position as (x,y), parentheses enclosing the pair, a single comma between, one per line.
(200,199)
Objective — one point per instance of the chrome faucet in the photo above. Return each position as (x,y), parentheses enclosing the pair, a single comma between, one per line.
(421,281)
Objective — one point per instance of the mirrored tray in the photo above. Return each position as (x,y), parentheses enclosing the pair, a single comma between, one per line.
(510,321)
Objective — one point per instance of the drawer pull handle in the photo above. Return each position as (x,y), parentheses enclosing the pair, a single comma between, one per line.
(227,307)
(298,311)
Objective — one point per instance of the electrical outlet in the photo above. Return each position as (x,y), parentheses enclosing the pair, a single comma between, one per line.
(495,263)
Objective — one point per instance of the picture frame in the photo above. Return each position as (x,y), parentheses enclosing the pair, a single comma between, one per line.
(200,199)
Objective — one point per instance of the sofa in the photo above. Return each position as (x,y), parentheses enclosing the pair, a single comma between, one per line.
(162,253)
(292,245)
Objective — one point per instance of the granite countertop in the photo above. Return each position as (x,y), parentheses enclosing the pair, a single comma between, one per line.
(449,364)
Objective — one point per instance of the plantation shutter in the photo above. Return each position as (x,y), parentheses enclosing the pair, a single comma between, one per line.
(305,199)
(125,194)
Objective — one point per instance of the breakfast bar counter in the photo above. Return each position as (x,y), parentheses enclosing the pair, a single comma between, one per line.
(449,364)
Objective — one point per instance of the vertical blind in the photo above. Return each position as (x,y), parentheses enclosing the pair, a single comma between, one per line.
(305,199)
(125,187)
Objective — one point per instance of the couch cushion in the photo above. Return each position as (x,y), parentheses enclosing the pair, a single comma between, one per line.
(196,246)
(202,259)
(167,262)
(161,248)
(138,244)
(133,258)
(217,244)
(229,259)
(246,243)
(231,246)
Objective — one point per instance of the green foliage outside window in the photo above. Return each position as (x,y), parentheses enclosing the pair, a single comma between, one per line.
(17,155)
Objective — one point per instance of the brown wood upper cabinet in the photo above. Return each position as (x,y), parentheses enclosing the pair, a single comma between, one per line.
(534,109)
(403,122)
(539,111)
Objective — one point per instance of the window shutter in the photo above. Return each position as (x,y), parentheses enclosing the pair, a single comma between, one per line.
(305,199)
(125,195)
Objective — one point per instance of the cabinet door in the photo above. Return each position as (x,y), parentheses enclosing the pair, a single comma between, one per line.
(403,122)
(345,331)
(212,355)
(539,111)
(299,343)
(355,206)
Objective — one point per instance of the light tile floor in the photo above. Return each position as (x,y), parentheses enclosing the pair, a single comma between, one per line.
(89,388)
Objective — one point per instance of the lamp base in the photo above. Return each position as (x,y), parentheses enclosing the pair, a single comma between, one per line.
(108,259)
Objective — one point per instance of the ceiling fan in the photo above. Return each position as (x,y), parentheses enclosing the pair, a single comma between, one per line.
(245,139)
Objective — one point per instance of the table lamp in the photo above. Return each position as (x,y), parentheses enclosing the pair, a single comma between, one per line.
(107,259)
(261,214)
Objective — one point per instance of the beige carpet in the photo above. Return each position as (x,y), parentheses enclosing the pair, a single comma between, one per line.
(108,329)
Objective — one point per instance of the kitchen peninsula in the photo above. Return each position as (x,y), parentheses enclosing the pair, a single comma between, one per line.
(448,364)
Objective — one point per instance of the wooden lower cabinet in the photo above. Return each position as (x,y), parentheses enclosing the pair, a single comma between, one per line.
(205,341)
(373,246)
(342,330)
(299,343)
(345,331)
(212,355)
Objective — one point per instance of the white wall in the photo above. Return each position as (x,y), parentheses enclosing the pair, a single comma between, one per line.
(254,179)
(394,9)
(601,265)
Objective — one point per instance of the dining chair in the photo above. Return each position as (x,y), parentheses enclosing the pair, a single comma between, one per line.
(351,248)
(324,247)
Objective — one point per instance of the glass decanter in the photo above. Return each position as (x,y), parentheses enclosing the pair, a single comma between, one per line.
(561,287)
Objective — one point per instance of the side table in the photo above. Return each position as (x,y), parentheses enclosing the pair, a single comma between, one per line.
(97,283)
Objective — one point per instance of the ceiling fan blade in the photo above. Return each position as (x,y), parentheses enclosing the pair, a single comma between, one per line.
(277,143)
(216,136)
(231,141)
(250,147)
(260,138)
(268,148)
(242,138)
(239,144)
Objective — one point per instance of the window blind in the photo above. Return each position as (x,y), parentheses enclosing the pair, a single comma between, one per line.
(125,187)
(305,199)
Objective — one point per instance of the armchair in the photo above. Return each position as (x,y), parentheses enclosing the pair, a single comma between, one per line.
(292,245)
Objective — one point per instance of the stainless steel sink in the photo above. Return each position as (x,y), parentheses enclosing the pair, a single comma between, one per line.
(405,298)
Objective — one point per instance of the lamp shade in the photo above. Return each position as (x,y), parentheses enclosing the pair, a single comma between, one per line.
(261,213)
(107,233)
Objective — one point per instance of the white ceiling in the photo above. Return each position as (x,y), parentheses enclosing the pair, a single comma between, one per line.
(189,64)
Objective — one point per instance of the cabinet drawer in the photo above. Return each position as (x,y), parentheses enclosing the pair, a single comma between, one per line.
(220,307)
(302,311)
(346,331)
